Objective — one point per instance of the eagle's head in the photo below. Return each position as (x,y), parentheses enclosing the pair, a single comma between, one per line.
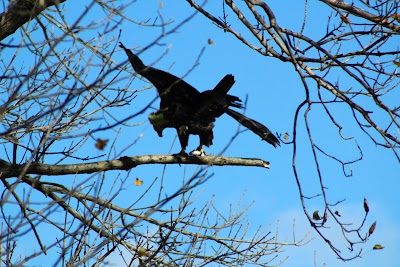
(159,122)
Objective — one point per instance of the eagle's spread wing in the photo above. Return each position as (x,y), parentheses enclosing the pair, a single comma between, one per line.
(169,87)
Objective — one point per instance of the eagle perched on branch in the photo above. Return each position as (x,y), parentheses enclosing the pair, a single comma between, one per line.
(190,112)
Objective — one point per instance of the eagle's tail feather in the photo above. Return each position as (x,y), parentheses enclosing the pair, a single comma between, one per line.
(255,127)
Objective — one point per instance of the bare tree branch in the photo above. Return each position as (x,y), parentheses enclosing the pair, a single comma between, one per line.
(20,12)
(124,163)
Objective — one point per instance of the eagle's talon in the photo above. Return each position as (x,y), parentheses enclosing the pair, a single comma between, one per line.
(198,153)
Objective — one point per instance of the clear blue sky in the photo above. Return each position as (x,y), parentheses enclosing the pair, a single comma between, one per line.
(274,91)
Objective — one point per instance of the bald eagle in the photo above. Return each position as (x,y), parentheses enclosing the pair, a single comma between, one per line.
(190,112)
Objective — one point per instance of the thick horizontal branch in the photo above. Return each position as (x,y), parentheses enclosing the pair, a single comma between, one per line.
(8,170)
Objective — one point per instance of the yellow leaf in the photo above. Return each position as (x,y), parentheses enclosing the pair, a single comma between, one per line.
(345,19)
(138,182)
(101,143)
(397,63)
(142,252)
(378,246)
(286,136)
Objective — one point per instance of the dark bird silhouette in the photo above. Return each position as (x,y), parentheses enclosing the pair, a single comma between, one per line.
(190,112)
